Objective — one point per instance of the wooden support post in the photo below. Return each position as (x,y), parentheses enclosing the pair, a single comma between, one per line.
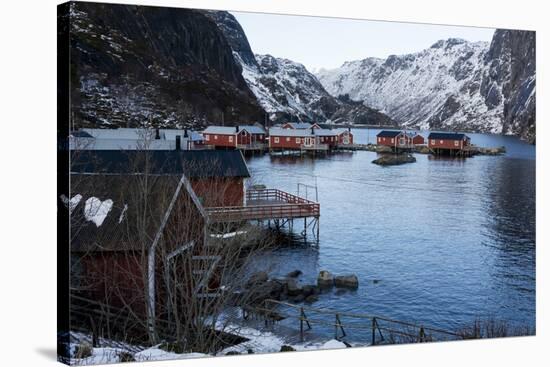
(301,324)
(373,340)
(318,224)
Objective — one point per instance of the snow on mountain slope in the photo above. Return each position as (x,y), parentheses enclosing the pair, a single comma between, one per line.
(284,86)
(286,89)
(434,87)
(453,85)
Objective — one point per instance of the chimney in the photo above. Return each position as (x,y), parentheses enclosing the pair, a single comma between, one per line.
(185,135)
(178,142)
(312,131)
(157,133)
(349,129)
(237,129)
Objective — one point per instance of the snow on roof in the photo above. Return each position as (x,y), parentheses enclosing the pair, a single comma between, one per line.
(276,131)
(299,125)
(222,130)
(253,129)
(124,133)
(96,210)
(123,144)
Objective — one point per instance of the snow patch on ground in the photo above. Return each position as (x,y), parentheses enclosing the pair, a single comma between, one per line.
(157,354)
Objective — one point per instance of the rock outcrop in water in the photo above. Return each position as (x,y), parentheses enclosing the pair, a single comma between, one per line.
(394,159)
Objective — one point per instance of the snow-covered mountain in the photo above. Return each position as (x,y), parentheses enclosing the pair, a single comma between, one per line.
(453,85)
(134,66)
(286,89)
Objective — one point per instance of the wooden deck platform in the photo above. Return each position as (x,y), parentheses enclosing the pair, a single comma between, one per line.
(266,204)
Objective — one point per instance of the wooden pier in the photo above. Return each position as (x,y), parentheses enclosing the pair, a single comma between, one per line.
(265,205)
(252,147)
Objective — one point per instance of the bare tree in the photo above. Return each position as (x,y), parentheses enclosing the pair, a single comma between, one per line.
(158,228)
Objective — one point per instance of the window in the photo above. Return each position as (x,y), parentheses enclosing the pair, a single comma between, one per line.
(441,142)
(276,139)
(215,137)
(207,137)
(401,141)
(297,140)
(287,138)
(433,142)
(456,143)
(392,139)
(231,139)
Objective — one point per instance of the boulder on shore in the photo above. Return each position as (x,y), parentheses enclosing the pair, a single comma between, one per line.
(292,288)
(311,298)
(257,278)
(394,159)
(309,290)
(346,281)
(287,348)
(325,279)
(294,274)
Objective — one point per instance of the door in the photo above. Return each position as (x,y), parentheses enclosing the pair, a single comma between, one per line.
(308,142)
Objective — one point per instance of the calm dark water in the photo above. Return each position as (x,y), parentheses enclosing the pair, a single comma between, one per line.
(440,242)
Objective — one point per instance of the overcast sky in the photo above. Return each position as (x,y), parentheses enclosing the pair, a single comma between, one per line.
(329,42)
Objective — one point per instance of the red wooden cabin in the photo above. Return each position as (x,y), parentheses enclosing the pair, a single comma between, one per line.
(226,136)
(394,138)
(257,134)
(418,139)
(448,141)
(345,137)
(108,243)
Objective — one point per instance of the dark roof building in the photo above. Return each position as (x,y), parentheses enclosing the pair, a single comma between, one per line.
(192,163)
(388,133)
(448,136)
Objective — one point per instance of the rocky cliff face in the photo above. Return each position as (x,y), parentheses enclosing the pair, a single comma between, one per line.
(453,85)
(286,89)
(510,80)
(138,65)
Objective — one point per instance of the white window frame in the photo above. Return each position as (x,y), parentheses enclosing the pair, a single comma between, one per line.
(287,138)
(297,140)
(433,141)
(441,142)
(207,137)
(456,143)
(275,139)
(215,137)
(231,138)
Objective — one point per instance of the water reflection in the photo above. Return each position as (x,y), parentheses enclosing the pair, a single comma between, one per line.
(446,239)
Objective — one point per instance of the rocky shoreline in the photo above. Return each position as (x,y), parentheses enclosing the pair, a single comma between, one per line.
(260,287)
(422,149)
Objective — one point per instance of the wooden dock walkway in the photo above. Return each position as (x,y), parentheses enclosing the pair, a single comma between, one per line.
(266,204)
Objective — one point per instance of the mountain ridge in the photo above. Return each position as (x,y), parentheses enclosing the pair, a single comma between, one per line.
(452,85)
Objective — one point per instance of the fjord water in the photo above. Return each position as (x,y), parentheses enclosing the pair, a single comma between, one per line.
(439,242)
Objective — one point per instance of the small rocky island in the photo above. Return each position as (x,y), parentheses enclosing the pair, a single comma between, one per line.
(394,159)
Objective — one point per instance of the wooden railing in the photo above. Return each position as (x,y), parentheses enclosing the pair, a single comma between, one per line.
(252,146)
(381,329)
(314,147)
(266,204)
